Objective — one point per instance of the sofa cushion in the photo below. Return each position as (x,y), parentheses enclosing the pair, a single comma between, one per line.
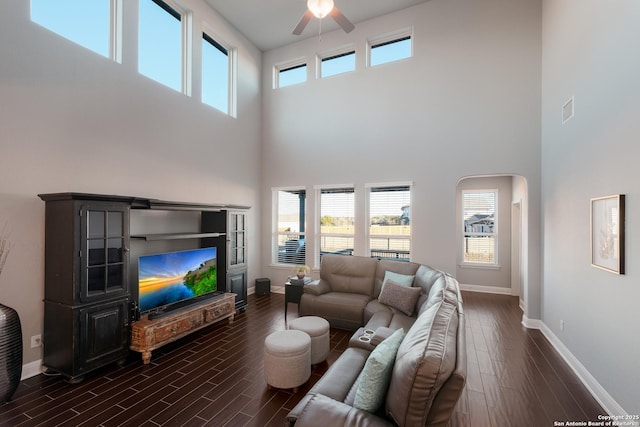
(425,360)
(341,376)
(400,297)
(349,273)
(426,278)
(400,267)
(373,308)
(342,309)
(376,374)
(316,410)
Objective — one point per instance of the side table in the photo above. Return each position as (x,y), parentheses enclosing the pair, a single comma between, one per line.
(292,293)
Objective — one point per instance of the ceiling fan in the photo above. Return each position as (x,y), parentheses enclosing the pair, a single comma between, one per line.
(320,9)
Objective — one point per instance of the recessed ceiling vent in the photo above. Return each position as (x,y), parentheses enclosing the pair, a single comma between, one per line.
(567,110)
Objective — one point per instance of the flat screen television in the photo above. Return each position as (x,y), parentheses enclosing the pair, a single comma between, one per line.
(170,278)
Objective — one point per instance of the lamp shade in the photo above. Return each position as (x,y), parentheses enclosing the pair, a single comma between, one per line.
(320,8)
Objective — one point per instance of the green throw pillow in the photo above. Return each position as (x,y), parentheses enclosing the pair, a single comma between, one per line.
(400,279)
(376,374)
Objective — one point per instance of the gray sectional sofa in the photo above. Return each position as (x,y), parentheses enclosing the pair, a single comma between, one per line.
(428,367)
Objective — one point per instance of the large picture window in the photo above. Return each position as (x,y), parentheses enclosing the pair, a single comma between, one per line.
(480,226)
(390,222)
(289,234)
(337,219)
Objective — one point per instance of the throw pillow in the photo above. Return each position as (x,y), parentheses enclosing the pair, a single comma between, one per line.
(403,298)
(376,374)
(401,279)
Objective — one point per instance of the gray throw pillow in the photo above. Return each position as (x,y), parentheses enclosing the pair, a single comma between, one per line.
(376,374)
(403,298)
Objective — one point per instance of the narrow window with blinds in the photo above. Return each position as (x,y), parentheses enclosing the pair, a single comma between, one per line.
(337,214)
(390,222)
(480,226)
(289,237)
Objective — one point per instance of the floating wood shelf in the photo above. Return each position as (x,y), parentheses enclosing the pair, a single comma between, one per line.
(175,236)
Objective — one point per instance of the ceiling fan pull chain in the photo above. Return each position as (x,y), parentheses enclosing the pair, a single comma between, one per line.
(320,30)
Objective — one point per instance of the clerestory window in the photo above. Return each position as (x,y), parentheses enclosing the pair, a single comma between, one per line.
(216,74)
(390,48)
(291,75)
(337,63)
(161,53)
(90,25)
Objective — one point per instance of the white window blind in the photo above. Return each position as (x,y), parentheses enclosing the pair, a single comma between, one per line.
(337,213)
(479,226)
(390,222)
(290,246)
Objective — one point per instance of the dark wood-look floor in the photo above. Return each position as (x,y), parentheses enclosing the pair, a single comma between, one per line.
(214,377)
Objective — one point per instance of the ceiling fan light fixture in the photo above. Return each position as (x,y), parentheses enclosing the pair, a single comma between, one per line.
(320,8)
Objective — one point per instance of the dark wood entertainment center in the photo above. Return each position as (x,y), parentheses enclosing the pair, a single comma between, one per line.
(92,244)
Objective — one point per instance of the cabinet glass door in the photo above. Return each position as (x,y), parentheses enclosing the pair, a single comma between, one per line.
(237,244)
(105,258)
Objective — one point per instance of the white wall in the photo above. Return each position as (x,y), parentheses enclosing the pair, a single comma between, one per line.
(72,120)
(467,103)
(590,53)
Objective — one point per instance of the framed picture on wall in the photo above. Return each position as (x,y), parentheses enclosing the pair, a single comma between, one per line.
(607,233)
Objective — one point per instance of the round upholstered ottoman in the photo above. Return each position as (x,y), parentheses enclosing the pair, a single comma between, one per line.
(287,359)
(318,330)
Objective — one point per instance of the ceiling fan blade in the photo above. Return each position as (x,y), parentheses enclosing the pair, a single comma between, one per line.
(342,20)
(303,22)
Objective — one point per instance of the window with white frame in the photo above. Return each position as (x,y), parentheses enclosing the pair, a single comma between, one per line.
(291,75)
(390,48)
(337,63)
(289,229)
(87,23)
(479,226)
(389,222)
(336,221)
(216,66)
(161,53)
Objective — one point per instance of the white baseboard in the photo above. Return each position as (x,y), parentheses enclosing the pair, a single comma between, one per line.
(593,386)
(531,323)
(486,289)
(597,391)
(31,369)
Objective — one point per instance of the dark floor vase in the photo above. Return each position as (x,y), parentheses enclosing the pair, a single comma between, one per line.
(10,352)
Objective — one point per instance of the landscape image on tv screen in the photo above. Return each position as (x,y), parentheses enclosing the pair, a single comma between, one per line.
(170,277)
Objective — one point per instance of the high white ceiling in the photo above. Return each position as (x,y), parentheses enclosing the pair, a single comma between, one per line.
(268,23)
